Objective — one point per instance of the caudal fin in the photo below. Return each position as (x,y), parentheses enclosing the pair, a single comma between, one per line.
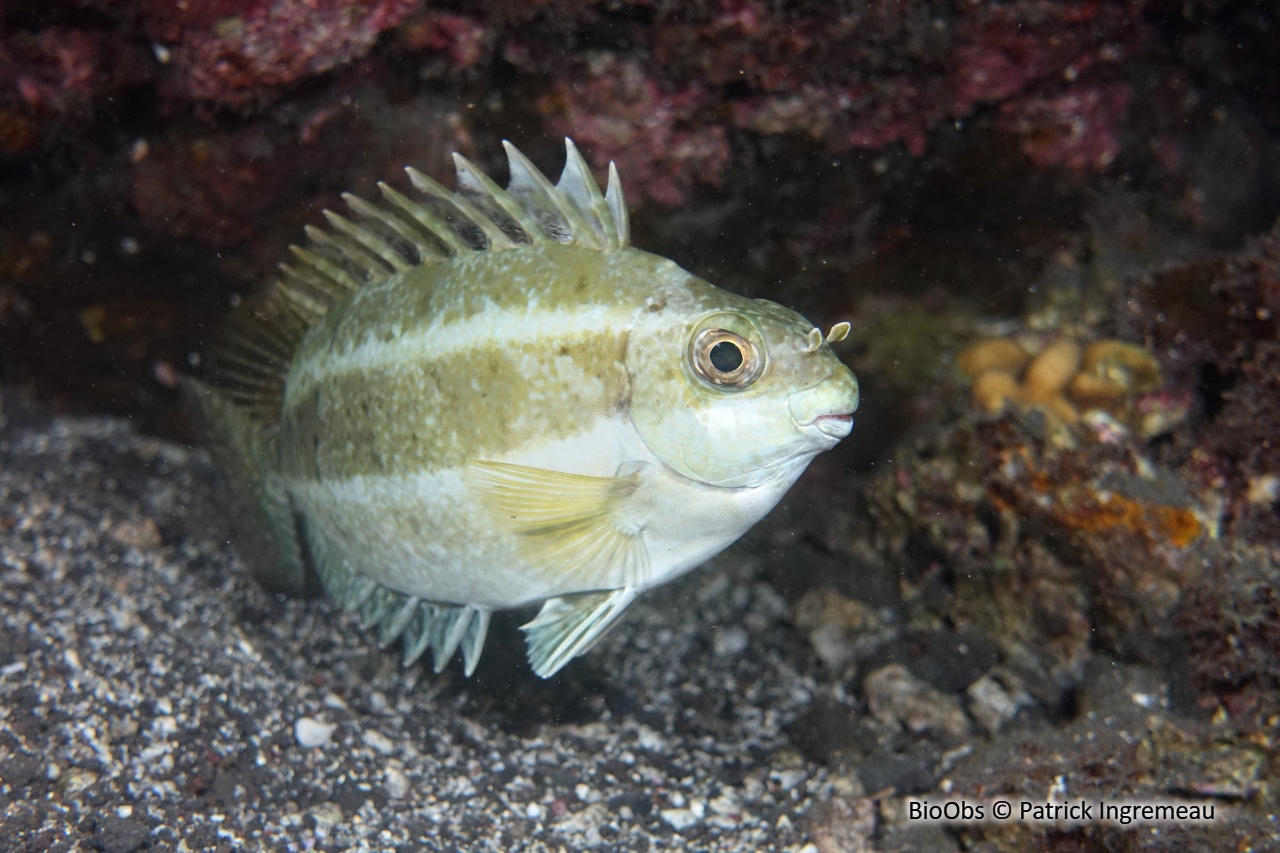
(262,515)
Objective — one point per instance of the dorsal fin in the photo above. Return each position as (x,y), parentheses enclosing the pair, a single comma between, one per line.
(385,239)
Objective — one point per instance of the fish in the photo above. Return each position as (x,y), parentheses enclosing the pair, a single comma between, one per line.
(452,403)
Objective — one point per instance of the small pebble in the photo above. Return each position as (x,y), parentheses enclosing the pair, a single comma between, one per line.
(376,740)
(993,703)
(896,696)
(312,733)
(679,819)
(788,779)
(396,782)
(832,645)
(326,816)
(164,726)
(731,641)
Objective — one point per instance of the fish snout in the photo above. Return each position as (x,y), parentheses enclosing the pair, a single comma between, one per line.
(828,406)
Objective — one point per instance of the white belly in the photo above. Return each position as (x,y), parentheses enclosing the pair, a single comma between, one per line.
(426,534)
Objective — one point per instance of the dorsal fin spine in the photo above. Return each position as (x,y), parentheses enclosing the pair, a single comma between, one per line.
(577,183)
(368,239)
(531,188)
(302,306)
(251,362)
(308,276)
(468,211)
(253,373)
(349,250)
(526,178)
(618,207)
(429,220)
(425,250)
(503,199)
(337,275)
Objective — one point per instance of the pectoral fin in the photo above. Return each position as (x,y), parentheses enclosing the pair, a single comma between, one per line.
(572,528)
(570,625)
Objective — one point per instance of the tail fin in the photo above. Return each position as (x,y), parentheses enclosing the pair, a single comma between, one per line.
(262,515)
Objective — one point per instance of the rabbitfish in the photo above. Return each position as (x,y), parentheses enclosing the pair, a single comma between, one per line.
(468,401)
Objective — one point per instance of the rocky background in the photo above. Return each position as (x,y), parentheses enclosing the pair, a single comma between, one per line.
(1045,563)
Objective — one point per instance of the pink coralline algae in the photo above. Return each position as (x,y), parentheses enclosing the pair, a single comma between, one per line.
(57,72)
(219,189)
(1039,73)
(829,76)
(236,51)
(891,73)
(1075,129)
(618,113)
(61,65)
(661,86)
(463,39)
(1005,50)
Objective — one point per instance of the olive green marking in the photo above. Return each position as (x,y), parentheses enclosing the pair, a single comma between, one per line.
(441,413)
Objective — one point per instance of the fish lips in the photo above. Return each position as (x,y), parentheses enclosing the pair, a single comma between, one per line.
(825,411)
(836,426)
(827,429)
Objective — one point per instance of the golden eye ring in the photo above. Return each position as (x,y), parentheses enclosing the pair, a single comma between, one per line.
(725,359)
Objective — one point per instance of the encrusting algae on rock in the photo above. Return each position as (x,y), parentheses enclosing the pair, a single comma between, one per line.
(483,399)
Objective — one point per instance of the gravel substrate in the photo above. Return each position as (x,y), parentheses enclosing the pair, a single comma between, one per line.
(153,697)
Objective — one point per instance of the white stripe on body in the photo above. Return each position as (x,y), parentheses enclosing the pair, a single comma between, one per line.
(425,535)
(490,327)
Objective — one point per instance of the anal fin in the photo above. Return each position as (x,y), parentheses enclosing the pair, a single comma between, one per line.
(454,627)
(473,641)
(570,625)
(419,625)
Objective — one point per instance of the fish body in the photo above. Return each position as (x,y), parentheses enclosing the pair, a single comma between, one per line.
(488,399)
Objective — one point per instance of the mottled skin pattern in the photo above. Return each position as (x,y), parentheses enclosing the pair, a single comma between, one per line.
(386,404)
(481,400)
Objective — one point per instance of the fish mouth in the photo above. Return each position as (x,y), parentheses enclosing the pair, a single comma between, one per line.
(824,411)
(834,425)
(830,427)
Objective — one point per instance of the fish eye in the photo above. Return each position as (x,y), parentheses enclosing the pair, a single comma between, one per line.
(725,358)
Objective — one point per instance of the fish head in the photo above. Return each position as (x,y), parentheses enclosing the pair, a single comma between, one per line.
(748,394)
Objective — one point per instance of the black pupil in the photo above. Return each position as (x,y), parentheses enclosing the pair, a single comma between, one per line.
(726,357)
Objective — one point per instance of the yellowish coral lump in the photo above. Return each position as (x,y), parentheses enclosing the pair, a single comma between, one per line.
(1062,379)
